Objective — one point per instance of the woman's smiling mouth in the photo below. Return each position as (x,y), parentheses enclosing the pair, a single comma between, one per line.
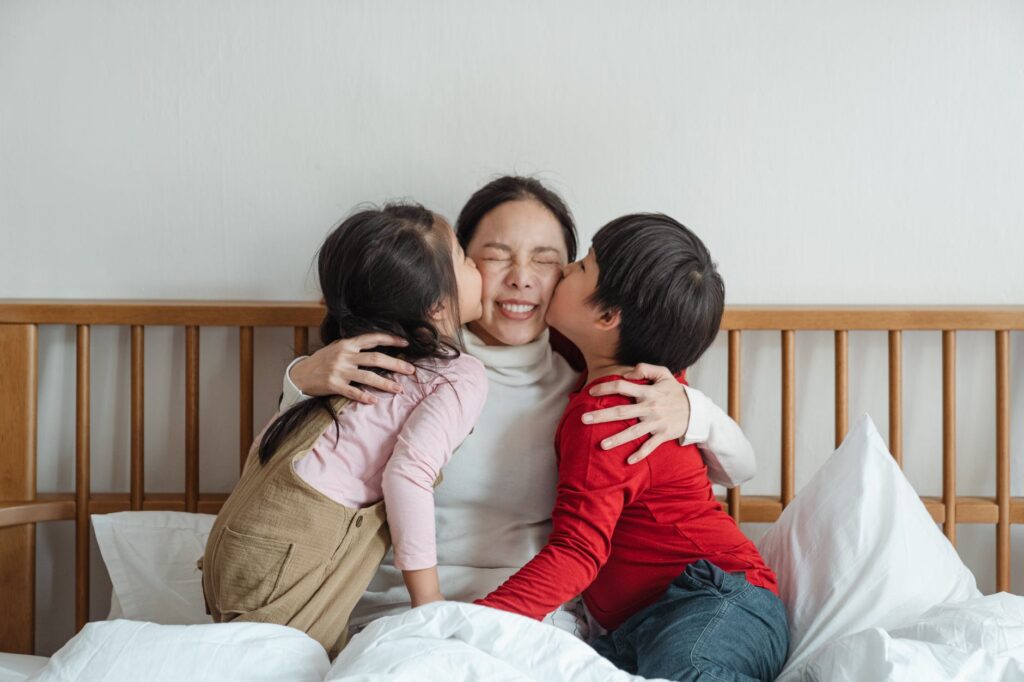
(517,310)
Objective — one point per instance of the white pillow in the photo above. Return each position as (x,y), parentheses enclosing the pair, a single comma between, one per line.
(16,667)
(129,651)
(857,549)
(151,558)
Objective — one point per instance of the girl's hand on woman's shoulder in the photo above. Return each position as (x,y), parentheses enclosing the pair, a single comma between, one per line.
(334,368)
(662,407)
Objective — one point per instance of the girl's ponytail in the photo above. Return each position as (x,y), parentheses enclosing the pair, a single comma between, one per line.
(291,419)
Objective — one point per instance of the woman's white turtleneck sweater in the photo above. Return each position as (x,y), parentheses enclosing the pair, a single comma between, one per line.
(493,509)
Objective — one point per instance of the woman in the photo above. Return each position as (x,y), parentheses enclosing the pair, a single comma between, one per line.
(493,509)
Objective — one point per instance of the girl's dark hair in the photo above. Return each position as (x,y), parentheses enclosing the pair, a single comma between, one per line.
(381,270)
(661,278)
(514,188)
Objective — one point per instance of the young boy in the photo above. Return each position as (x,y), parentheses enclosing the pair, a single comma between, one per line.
(683,594)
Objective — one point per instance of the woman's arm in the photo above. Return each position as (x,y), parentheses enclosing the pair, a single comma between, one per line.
(334,368)
(725,448)
(668,410)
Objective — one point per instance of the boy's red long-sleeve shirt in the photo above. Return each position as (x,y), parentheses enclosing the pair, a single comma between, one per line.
(622,533)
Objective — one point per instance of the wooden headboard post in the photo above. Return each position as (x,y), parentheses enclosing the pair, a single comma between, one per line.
(18,345)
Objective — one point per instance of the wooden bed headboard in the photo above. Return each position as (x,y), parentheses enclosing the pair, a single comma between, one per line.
(21,507)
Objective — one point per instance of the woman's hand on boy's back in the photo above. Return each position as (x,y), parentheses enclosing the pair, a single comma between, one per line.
(662,407)
(334,368)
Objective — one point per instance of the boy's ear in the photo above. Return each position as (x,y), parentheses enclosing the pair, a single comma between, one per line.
(608,320)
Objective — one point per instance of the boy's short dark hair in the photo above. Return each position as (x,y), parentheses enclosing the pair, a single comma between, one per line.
(661,278)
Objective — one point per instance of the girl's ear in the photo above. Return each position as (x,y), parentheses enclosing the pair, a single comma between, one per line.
(608,320)
(439,313)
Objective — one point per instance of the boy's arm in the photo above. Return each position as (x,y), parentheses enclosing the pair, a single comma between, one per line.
(727,452)
(593,487)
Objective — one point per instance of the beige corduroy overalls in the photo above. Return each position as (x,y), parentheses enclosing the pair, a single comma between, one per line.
(282,552)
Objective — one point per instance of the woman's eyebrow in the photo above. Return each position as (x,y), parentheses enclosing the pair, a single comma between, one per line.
(498,245)
(505,247)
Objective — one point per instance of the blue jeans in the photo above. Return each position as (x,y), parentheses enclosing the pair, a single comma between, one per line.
(709,625)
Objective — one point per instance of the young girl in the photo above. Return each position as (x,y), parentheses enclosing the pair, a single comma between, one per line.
(305,529)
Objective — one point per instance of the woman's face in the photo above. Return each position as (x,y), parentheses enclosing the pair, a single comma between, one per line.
(519,249)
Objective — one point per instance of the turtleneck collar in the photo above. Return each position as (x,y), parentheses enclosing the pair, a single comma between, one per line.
(513,365)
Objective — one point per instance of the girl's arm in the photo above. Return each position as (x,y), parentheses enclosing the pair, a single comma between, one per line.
(440,421)
(423,586)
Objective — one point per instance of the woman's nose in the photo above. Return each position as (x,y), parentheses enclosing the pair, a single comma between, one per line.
(519,277)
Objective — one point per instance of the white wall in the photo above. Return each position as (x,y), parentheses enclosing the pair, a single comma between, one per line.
(828,152)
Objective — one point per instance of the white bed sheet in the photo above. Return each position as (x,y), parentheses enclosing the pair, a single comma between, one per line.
(17,667)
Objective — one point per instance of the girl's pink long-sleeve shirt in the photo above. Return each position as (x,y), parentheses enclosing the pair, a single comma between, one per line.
(394,450)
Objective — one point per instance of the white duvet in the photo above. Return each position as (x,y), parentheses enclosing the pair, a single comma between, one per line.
(450,641)
(976,640)
(979,639)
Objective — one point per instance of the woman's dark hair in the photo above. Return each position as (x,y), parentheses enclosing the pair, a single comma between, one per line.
(381,270)
(514,188)
(660,277)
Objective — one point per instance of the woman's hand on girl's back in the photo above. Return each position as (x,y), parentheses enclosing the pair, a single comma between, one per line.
(334,368)
(663,409)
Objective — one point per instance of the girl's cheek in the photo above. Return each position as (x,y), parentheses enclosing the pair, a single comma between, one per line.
(489,282)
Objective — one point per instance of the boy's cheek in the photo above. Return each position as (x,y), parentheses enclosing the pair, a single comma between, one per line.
(554,315)
(549,315)
(558,301)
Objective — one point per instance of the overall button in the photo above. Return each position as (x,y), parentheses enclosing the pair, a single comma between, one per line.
(359,522)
